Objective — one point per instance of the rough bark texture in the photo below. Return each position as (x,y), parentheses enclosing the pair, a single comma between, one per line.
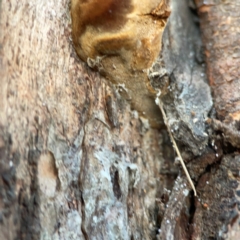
(77,163)
(219,21)
(221,37)
(214,161)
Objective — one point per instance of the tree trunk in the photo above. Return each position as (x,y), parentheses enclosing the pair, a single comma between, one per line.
(76,162)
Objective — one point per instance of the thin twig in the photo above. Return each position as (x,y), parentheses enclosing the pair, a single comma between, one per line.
(159,103)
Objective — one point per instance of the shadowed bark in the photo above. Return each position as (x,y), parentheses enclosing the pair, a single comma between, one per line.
(214,160)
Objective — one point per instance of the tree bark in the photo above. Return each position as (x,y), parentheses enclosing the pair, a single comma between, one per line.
(214,163)
(76,162)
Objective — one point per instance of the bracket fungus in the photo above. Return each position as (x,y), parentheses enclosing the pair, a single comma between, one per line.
(122,39)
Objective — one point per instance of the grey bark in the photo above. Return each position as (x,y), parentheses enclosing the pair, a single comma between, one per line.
(76,162)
